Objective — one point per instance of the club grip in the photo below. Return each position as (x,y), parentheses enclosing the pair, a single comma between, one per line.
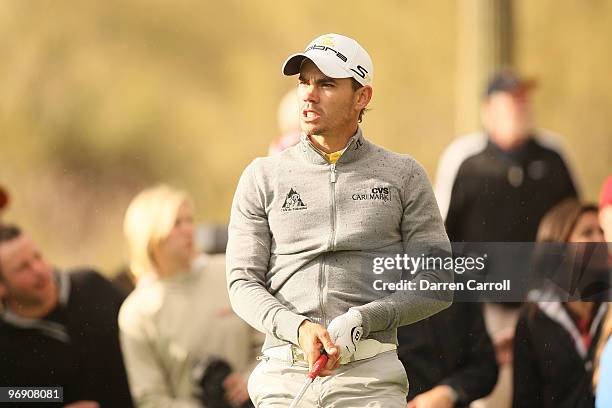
(317,366)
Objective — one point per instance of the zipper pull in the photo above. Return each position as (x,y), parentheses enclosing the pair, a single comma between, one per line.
(332,176)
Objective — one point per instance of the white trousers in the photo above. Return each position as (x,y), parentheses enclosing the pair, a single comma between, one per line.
(377,382)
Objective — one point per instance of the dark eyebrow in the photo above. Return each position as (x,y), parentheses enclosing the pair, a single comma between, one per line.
(320,80)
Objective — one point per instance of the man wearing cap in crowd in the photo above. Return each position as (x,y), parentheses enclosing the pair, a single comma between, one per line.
(496,185)
(305,226)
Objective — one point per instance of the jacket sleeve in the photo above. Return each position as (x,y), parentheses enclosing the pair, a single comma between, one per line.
(423,235)
(527,380)
(477,374)
(248,256)
(146,375)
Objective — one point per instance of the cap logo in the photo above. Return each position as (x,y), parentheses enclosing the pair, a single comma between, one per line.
(362,72)
(328,41)
(326,48)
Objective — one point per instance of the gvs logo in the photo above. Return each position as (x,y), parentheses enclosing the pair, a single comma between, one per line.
(380,190)
(376,193)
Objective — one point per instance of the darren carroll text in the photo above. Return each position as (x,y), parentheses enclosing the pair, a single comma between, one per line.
(426,285)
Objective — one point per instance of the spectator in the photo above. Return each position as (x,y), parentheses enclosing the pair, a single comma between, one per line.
(496,185)
(58,329)
(177,327)
(555,339)
(603,363)
(288,123)
(448,371)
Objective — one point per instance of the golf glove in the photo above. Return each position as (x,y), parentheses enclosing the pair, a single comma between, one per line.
(345,331)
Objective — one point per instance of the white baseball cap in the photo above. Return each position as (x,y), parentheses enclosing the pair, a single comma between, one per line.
(337,56)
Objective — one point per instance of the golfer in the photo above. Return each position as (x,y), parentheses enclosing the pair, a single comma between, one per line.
(305,227)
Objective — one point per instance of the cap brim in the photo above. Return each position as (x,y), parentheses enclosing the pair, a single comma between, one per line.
(523,86)
(292,64)
(327,66)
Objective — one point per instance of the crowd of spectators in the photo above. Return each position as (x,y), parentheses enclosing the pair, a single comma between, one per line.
(162,333)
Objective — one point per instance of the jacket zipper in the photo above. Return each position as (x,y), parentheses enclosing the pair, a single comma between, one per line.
(332,238)
(331,244)
(332,193)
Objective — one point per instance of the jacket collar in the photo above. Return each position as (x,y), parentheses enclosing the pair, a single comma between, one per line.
(556,312)
(355,148)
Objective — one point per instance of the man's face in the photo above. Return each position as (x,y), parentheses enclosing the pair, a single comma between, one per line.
(328,106)
(508,117)
(25,277)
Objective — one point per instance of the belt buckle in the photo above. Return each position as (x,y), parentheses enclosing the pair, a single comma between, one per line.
(297,355)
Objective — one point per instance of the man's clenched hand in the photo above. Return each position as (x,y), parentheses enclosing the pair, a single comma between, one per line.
(312,338)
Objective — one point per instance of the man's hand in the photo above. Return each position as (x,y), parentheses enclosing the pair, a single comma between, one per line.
(441,396)
(235,389)
(83,404)
(504,343)
(312,338)
(345,331)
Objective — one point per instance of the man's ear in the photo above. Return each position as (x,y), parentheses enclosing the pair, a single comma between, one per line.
(364,97)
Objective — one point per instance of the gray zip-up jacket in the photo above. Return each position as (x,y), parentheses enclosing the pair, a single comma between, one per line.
(304,233)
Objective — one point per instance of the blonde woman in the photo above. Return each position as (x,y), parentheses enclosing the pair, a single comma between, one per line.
(178,319)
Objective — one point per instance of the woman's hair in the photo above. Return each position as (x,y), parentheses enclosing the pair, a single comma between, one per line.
(557,226)
(148,220)
(559,222)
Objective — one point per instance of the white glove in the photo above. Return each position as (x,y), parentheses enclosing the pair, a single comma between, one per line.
(345,331)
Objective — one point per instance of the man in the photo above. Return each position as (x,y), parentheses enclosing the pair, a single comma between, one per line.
(58,329)
(496,185)
(306,226)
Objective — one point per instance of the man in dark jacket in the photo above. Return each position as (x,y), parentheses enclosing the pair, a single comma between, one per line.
(448,357)
(58,329)
(497,184)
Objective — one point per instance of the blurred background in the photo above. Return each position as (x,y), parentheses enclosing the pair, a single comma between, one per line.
(101,99)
